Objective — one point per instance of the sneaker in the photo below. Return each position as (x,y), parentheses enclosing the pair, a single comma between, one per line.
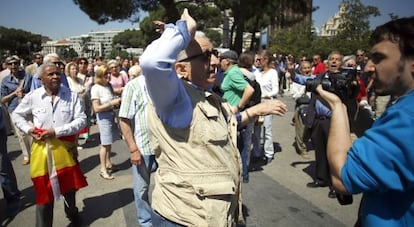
(332,193)
(305,155)
(267,160)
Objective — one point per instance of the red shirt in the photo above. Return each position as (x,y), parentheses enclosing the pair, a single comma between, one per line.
(319,68)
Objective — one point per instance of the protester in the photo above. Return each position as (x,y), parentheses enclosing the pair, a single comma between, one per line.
(13,89)
(54,58)
(237,91)
(318,120)
(104,103)
(192,132)
(58,115)
(380,163)
(269,84)
(302,99)
(133,123)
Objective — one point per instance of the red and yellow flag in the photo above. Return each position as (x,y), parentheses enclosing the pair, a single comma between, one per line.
(53,169)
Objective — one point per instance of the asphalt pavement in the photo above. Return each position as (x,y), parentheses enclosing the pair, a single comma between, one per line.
(276,194)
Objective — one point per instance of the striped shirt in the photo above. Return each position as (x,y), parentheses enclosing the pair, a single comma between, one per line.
(134,107)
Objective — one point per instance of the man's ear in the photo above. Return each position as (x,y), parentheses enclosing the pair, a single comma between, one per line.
(182,69)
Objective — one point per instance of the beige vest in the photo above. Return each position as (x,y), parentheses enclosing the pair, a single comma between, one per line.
(197,182)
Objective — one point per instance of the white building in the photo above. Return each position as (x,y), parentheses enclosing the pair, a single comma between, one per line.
(95,43)
(330,28)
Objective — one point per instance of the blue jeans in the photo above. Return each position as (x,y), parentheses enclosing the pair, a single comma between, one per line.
(141,175)
(244,144)
(7,176)
(257,149)
(160,221)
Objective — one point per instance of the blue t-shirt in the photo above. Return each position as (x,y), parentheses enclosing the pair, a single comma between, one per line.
(381,165)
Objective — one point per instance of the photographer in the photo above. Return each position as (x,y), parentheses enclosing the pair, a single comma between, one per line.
(318,120)
(380,163)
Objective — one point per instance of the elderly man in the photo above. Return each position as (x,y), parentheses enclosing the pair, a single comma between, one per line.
(192,132)
(53,58)
(58,114)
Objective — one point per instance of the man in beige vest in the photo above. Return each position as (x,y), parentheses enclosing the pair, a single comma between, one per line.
(192,132)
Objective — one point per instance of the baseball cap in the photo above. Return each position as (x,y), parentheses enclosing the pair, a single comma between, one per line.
(12,58)
(230,54)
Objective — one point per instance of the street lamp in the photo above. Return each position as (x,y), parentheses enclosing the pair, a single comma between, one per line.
(28,46)
(118,48)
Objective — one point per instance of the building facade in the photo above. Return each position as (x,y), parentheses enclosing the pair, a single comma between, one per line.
(331,27)
(95,43)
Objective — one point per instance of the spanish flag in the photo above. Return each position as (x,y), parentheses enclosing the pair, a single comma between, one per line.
(54,169)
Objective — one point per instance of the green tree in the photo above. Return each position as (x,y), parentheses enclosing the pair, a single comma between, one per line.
(147,32)
(354,31)
(84,45)
(19,42)
(242,11)
(292,41)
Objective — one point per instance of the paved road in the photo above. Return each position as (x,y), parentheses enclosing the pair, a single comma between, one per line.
(275,196)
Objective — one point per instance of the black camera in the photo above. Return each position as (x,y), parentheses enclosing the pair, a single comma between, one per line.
(343,83)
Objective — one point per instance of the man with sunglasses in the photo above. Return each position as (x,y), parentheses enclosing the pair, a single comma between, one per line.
(13,89)
(192,131)
(58,114)
(54,58)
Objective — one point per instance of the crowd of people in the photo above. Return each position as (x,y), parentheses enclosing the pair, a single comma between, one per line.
(185,116)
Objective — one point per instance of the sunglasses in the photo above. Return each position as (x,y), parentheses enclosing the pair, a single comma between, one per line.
(205,56)
(82,63)
(13,63)
(58,63)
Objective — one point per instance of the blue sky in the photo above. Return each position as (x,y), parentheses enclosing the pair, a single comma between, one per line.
(61,19)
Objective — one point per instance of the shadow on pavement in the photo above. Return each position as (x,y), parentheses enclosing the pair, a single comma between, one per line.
(309,169)
(28,199)
(95,209)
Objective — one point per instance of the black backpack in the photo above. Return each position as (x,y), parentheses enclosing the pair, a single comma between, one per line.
(257,95)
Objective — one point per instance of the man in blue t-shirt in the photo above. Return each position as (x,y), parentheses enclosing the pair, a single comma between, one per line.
(380,163)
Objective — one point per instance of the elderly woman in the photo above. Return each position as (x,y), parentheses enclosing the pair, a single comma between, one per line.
(76,84)
(134,71)
(118,79)
(103,103)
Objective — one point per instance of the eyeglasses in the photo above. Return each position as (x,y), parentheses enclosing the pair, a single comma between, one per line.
(205,56)
(13,63)
(58,63)
(53,73)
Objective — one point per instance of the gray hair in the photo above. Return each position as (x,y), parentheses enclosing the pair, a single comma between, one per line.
(134,71)
(112,62)
(43,67)
(49,56)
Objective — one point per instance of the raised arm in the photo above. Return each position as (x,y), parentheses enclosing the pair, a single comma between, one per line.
(169,97)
